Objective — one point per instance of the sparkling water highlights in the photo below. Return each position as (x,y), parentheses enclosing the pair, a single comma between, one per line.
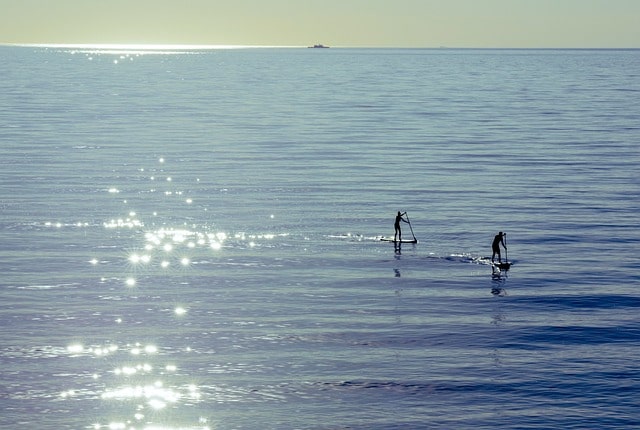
(136,385)
(146,381)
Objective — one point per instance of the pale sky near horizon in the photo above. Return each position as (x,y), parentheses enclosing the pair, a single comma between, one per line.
(358,23)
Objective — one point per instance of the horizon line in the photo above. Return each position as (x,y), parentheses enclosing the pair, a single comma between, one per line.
(201,47)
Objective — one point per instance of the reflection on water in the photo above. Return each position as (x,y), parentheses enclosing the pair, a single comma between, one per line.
(141,385)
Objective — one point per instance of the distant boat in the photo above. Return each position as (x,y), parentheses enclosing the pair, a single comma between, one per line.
(318,46)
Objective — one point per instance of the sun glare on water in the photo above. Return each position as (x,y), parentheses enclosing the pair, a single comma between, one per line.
(145,256)
(137,49)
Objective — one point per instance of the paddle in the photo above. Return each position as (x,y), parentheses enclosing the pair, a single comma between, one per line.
(506,252)
(411,228)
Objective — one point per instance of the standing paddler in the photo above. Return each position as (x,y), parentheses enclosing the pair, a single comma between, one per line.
(398,231)
(495,246)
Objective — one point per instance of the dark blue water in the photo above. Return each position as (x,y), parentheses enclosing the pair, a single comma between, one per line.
(190,239)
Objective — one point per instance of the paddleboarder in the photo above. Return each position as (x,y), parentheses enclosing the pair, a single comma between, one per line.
(398,231)
(495,246)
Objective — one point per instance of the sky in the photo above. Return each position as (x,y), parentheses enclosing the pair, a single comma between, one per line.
(347,23)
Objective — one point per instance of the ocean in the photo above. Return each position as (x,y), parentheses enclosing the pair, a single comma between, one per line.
(190,239)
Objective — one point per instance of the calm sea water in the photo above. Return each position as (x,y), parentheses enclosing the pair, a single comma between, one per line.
(190,239)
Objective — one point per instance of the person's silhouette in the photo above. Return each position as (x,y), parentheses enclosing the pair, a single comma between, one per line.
(495,246)
(398,231)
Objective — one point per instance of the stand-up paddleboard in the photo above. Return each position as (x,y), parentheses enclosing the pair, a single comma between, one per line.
(503,266)
(390,239)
